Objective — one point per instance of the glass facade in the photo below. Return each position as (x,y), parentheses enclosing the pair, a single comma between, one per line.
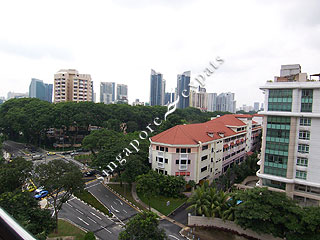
(306,100)
(277,145)
(280,100)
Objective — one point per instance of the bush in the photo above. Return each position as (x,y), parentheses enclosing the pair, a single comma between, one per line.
(89,236)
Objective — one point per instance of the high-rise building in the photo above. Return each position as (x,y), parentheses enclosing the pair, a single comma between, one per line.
(122,92)
(212,102)
(169,98)
(226,102)
(157,89)
(17,95)
(256,106)
(199,99)
(291,143)
(183,81)
(69,85)
(107,92)
(38,89)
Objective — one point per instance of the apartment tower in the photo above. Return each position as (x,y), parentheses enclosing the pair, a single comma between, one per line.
(291,137)
(69,85)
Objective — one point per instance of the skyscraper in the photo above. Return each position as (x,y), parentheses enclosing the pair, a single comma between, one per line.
(199,99)
(38,89)
(226,102)
(157,89)
(256,106)
(290,142)
(69,85)
(122,92)
(107,92)
(212,102)
(183,81)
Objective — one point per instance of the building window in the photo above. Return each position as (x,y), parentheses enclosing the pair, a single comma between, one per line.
(157,147)
(204,157)
(189,150)
(301,174)
(301,161)
(306,100)
(183,150)
(205,147)
(177,150)
(204,169)
(183,165)
(305,135)
(304,121)
(177,161)
(160,162)
(303,148)
(162,149)
(280,100)
(165,160)
(282,172)
(166,149)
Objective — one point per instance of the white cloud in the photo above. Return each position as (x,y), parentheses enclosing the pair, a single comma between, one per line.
(122,40)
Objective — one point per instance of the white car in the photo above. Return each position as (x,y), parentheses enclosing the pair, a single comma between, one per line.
(39,189)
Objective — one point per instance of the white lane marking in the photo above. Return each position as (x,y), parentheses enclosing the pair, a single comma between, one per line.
(107,196)
(69,204)
(79,211)
(95,215)
(125,211)
(106,229)
(120,201)
(71,199)
(174,237)
(114,209)
(115,203)
(92,220)
(83,221)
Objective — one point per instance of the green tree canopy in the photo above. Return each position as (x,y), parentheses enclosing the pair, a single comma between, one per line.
(144,226)
(61,180)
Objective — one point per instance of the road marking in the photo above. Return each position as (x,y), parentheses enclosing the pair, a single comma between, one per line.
(83,221)
(92,186)
(125,211)
(69,204)
(106,229)
(120,201)
(114,209)
(115,203)
(92,220)
(95,215)
(174,237)
(107,196)
(79,211)
(71,199)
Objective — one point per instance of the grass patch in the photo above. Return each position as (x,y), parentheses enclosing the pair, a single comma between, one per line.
(67,229)
(160,203)
(127,195)
(90,199)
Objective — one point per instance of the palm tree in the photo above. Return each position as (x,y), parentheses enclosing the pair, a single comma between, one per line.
(228,214)
(199,201)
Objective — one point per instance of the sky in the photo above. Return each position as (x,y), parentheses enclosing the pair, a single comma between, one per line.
(122,40)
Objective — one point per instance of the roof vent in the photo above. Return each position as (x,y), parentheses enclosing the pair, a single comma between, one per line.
(210,134)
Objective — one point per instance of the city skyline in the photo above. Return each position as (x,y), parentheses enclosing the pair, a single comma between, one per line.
(127,51)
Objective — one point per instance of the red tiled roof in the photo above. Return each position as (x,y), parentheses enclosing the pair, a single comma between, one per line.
(191,134)
(232,143)
(237,141)
(225,146)
(243,115)
(249,153)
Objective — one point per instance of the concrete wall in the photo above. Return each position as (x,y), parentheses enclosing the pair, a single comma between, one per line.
(226,225)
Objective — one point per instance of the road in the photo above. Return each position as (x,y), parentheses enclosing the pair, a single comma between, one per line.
(88,218)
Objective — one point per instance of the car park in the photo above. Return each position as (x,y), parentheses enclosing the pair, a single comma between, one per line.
(41,194)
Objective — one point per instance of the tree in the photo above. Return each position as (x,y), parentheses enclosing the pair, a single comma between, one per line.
(132,169)
(89,236)
(198,201)
(148,185)
(144,226)
(25,209)
(61,180)
(14,174)
(266,211)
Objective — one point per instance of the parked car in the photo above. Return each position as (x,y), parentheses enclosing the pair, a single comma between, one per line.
(51,153)
(36,157)
(41,194)
(89,173)
(39,189)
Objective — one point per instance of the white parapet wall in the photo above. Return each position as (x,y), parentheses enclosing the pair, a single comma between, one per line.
(197,221)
